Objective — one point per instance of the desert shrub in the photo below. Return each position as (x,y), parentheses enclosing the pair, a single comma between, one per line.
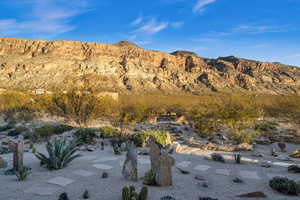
(285,185)
(45,132)
(60,154)
(17,131)
(150,178)
(78,104)
(108,131)
(241,135)
(162,137)
(86,136)
(265,127)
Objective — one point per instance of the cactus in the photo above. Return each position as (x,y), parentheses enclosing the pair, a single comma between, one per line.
(285,185)
(150,178)
(237,158)
(131,194)
(143,194)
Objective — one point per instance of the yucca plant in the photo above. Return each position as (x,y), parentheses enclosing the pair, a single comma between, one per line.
(60,154)
(23,173)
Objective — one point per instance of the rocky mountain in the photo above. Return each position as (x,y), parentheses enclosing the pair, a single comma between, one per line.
(125,67)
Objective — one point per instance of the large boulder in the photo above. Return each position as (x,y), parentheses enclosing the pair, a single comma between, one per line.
(3,163)
(130,165)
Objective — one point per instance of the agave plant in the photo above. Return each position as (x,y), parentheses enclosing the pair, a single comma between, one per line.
(60,154)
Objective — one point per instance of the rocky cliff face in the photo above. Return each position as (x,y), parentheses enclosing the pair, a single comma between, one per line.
(124,67)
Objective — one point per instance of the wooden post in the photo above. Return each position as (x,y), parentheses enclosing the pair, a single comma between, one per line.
(18,150)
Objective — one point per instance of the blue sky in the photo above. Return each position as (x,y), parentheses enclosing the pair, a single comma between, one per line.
(266,30)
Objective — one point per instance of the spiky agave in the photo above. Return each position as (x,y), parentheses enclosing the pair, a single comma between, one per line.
(60,154)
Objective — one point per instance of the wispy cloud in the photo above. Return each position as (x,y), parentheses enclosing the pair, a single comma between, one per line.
(256,29)
(46,19)
(178,24)
(137,21)
(201,4)
(152,27)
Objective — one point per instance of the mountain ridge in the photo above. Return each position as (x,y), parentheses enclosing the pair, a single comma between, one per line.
(125,67)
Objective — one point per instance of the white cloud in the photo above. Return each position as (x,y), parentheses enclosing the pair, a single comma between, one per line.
(46,19)
(199,7)
(137,21)
(152,27)
(178,24)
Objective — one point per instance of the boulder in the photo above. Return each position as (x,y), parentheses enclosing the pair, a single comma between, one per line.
(3,163)
(130,165)
(161,163)
(244,147)
(295,153)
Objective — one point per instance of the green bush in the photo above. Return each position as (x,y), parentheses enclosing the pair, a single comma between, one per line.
(285,185)
(108,132)
(162,137)
(244,136)
(17,131)
(129,193)
(86,136)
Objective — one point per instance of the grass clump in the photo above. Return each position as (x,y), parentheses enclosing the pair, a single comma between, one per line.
(162,137)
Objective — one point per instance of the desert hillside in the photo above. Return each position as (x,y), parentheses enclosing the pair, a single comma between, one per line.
(123,67)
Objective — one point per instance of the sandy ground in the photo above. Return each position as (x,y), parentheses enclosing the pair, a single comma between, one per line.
(218,177)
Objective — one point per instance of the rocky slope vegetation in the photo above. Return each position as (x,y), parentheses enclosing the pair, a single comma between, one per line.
(123,67)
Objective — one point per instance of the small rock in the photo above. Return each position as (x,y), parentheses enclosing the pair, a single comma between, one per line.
(63,196)
(183,171)
(237,180)
(104,175)
(266,164)
(295,153)
(283,158)
(86,195)
(273,152)
(294,168)
(207,198)
(217,157)
(253,195)
(144,151)
(199,178)
(258,154)
(90,148)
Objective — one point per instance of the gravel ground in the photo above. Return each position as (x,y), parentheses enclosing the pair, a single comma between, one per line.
(184,186)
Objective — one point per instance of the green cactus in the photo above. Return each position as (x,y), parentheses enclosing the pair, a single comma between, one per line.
(131,194)
(237,158)
(143,194)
